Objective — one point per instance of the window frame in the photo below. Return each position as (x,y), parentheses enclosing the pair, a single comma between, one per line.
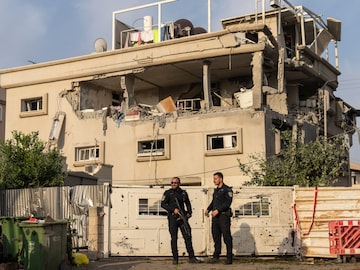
(238,149)
(28,113)
(165,155)
(160,212)
(99,146)
(248,208)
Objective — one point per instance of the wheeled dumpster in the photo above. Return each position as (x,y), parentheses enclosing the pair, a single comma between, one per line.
(11,237)
(44,244)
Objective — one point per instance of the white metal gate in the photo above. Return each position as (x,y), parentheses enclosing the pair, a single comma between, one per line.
(262,222)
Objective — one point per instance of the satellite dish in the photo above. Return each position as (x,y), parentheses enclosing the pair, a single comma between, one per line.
(183,27)
(100,45)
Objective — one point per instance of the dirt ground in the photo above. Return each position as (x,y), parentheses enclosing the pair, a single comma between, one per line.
(142,263)
(165,263)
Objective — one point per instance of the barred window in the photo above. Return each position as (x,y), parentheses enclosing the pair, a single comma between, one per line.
(256,208)
(151,207)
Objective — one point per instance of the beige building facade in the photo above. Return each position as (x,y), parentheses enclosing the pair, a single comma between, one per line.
(189,105)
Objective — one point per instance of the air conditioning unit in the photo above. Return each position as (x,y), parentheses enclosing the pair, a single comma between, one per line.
(275,3)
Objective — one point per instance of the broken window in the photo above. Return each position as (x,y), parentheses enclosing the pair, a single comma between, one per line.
(153,149)
(34,106)
(150,207)
(257,208)
(224,143)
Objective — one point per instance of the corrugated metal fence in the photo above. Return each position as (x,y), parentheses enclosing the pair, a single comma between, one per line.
(71,203)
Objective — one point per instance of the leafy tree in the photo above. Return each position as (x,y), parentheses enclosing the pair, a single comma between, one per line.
(317,163)
(25,162)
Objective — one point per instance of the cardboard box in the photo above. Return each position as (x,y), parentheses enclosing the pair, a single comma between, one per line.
(167,105)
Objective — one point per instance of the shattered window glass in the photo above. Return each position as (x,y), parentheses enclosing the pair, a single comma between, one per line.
(222,141)
(151,148)
(29,105)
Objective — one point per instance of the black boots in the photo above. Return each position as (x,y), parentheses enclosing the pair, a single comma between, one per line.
(194,260)
(214,260)
(191,260)
(229,259)
(217,260)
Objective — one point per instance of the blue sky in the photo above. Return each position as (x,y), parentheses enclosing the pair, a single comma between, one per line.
(43,30)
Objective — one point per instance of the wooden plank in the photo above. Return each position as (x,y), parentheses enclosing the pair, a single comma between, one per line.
(315,211)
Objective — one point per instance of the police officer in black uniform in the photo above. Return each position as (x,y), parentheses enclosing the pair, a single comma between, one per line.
(174,201)
(221,218)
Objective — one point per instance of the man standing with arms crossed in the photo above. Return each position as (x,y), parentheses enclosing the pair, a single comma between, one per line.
(221,218)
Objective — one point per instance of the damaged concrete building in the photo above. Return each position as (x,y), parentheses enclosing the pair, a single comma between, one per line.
(183,101)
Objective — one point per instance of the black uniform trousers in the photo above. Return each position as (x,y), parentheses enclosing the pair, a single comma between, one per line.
(220,226)
(174,225)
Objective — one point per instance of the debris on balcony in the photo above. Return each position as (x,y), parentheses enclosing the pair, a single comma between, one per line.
(191,104)
(132,115)
(166,105)
(244,98)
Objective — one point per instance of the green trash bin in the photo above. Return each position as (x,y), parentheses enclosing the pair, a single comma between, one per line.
(44,244)
(11,238)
